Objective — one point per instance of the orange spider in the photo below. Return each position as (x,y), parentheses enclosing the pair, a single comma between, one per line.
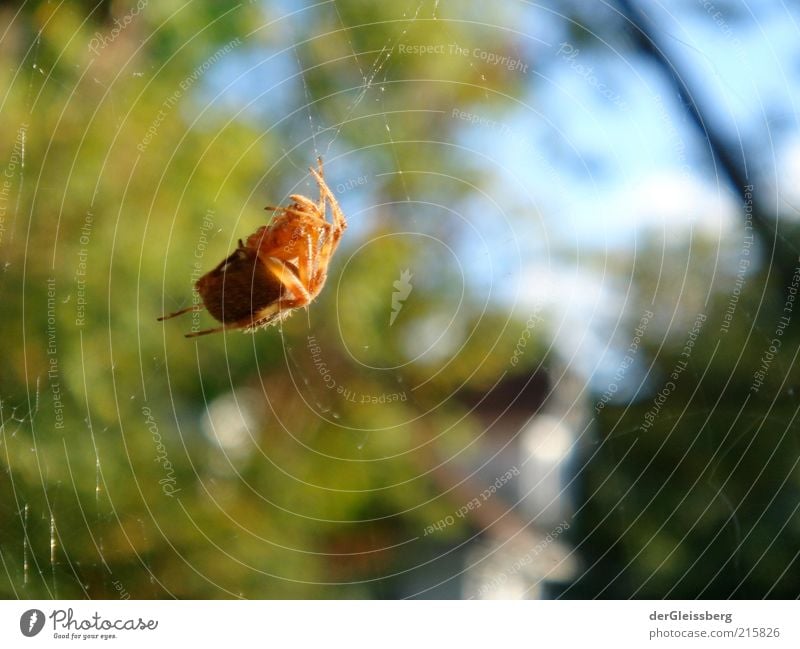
(282,266)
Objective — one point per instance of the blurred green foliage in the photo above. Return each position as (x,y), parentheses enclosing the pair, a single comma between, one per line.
(126,165)
(692,489)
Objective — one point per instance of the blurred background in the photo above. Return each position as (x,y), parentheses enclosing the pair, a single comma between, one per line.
(556,356)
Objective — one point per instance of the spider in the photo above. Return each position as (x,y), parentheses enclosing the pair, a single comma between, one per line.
(281,267)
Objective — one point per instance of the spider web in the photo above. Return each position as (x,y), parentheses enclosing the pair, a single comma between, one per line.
(368,76)
(19,415)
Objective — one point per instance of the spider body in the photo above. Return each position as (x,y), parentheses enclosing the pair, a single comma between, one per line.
(281,267)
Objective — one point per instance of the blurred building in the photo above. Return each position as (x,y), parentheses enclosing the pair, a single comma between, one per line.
(521,488)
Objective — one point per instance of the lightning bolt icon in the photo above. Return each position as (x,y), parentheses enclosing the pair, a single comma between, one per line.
(402,290)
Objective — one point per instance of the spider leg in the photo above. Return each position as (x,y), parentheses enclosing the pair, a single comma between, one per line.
(304,202)
(298,213)
(340,223)
(339,220)
(321,202)
(195,307)
(205,332)
(287,277)
(293,211)
(310,257)
(333,233)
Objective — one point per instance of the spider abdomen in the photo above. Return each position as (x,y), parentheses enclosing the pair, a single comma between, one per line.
(239,287)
